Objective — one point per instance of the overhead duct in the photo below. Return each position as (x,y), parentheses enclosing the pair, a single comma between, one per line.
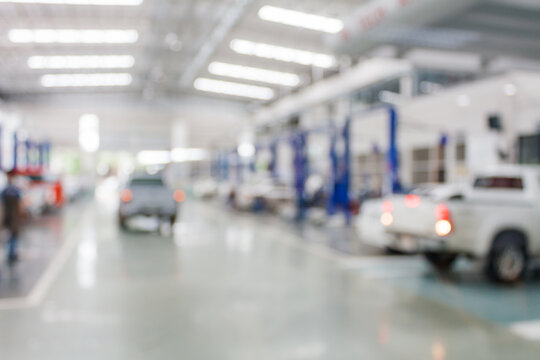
(363,74)
(401,21)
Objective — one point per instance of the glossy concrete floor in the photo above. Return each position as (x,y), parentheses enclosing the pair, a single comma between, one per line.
(228,286)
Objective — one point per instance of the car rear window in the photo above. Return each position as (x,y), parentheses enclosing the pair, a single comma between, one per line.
(147,182)
(499,182)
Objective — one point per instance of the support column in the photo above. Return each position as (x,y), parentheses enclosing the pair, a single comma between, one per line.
(15,151)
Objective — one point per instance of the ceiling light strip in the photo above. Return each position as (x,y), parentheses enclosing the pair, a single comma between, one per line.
(73,36)
(86,80)
(77,2)
(300,19)
(235,89)
(255,74)
(81,62)
(280,53)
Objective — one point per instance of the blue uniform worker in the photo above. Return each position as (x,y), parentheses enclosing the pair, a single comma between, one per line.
(11,200)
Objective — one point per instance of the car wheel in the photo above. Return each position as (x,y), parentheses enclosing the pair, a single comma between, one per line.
(122,221)
(441,261)
(507,261)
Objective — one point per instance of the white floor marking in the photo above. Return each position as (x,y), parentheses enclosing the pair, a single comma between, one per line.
(47,279)
(528,329)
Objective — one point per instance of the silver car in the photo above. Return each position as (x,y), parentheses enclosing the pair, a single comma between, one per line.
(148,195)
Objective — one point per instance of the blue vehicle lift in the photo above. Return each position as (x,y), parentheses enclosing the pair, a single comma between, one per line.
(393,156)
(341,171)
(300,163)
(341,163)
(340,155)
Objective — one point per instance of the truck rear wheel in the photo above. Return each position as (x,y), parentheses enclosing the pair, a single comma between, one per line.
(507,261)
(441,261)
(122,221)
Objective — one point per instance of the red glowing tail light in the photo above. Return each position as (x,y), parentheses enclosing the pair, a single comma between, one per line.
(442,212)
(412,201)
(443,225)
(179,196)
(126,195)
(387,206)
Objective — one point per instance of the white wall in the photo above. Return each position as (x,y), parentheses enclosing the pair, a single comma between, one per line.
(127,124)
(423,120)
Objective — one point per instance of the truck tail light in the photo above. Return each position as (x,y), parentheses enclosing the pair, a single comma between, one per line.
(443,225)
(387,206)
(126,195)
(412,201)
(387,218)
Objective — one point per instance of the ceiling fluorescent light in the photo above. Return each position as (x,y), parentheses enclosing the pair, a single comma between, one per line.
(78,2)
(86,80)
(188,154)
(81,62)
(73,36)
(235,89)
(153,157)
(255,74)
(300,19)
(281,53)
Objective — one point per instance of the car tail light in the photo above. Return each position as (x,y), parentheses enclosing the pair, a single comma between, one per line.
(412,201)
(50,196)
(443,225)
(179,196)
(387,218)
(126,195)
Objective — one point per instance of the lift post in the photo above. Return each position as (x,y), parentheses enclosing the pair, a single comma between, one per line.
(1,148)
(223,163)
(28,153)
(15,151)
(298,143)
(272,166)
(340,156)
(238,166)
(393,156)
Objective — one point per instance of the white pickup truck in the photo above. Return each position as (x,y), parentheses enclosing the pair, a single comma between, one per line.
(495,217)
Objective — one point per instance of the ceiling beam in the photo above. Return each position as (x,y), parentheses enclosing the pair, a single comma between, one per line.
(221,31)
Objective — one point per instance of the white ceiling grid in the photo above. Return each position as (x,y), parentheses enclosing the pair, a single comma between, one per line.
(171,33)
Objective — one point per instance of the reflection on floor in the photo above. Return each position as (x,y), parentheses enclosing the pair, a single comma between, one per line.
(38,245)
(228,286)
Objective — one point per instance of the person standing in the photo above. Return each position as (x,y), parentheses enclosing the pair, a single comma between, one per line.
(11,200)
